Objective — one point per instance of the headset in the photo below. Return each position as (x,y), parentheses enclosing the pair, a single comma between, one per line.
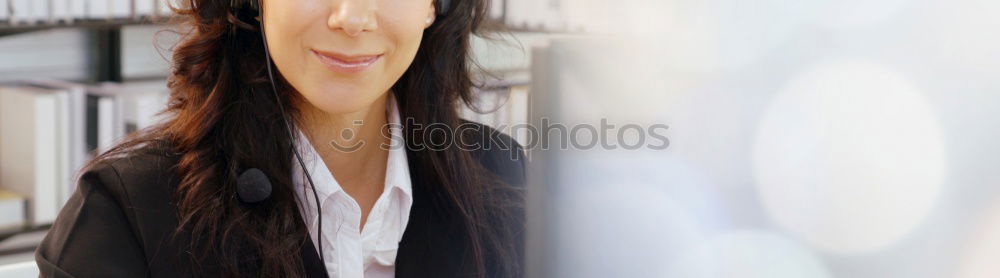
(253,185)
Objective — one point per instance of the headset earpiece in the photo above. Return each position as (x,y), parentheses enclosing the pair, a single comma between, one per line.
(442,6)
(252,5)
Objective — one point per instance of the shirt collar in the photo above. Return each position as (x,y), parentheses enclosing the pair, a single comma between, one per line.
(397,174)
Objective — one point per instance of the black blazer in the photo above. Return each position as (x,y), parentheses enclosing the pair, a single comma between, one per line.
(120,221)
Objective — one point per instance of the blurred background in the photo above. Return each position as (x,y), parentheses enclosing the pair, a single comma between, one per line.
(806,138)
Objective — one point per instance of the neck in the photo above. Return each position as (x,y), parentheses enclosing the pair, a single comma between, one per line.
(349,142)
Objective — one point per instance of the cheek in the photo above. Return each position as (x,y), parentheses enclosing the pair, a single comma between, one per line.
(404,22)
(286,26)
(405,34)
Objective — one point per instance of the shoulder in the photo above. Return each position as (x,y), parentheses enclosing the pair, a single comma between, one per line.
(117,215)
(496,151)
(139,177)
(505,157)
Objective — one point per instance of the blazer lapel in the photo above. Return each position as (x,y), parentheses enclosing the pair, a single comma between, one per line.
(310,258)
(433,243)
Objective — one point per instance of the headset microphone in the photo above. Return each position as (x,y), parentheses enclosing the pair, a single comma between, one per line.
(253,186)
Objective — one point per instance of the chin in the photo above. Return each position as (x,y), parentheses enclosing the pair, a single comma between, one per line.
(341,99)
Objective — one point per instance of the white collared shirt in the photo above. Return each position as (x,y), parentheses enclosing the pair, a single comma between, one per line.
(349,252)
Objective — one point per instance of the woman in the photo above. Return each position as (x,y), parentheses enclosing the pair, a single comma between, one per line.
(169,201)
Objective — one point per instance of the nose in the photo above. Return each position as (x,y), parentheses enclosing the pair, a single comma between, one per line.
(353,16)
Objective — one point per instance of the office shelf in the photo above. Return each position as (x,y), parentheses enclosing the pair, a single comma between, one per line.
(9,28)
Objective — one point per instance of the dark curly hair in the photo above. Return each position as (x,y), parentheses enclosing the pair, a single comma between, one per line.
(221,103)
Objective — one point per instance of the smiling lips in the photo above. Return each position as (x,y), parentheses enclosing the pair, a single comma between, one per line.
(346,63)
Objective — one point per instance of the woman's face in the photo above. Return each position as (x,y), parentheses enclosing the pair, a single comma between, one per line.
(342,55)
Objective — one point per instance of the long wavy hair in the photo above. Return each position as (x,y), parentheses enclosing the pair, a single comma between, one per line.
(221,104)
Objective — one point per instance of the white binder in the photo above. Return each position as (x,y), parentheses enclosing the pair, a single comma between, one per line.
(40,11)
(30,157)
(4,12)
(145,8)
(99,9)
(20,11)
(60,11)
(121,8)
(77,8)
